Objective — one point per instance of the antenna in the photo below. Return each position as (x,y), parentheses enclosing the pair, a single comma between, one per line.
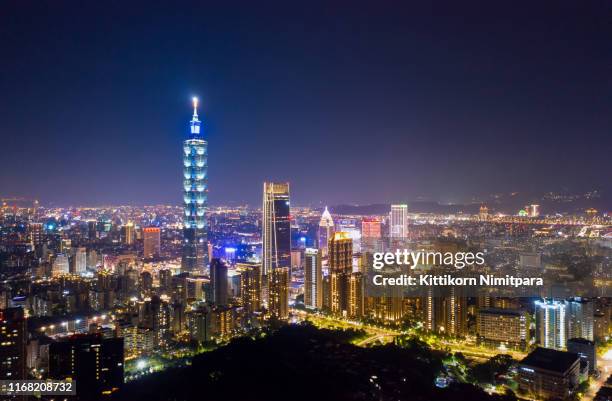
(195,106)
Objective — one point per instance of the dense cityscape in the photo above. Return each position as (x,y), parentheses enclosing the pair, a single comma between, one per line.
(321,200)
(112,296)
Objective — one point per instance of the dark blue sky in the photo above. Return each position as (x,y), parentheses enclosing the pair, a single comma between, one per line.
(349,101)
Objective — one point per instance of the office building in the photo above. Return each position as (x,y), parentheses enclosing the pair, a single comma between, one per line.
(61,265)
(325,232)
(195,197)
(340,268)
(152,242)
(313,277)
(80,260)
(218,280)
(502,328)
(276,247)
(549,374)
(128,233)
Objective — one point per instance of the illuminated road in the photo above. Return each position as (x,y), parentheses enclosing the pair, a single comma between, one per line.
(604,365)
(376,333)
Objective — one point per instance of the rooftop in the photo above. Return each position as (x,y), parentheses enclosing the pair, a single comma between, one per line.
(550,359)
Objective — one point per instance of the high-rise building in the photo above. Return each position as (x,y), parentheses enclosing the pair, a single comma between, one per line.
(351,227)
(313,277)
(370,228)
(341,252)
(146,282)
(80,260)
(92,230)
(276,247)
(399,222)
(340,267)
(276,229)
(152,242)
(218,279)
(13,339)
(355,296)
(128,233)
(454,312)
(551,324)
(195,197)
(502,327)
(250,286)
(60,265)
(371,234)
(326,231)
(278,302)
(36,233)
(445,311)
(95,363)
(154,314)
(580,318)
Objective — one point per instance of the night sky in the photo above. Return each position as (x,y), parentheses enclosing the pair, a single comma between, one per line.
(351,102)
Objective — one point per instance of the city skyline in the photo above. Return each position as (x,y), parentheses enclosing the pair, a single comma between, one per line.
(513,110)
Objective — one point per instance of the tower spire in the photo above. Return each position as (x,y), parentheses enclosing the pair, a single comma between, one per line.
(195,108)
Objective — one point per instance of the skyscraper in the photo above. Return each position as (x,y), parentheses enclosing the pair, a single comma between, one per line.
(278,302)
(218,278)
(399,222)
(313,277)
(195,196)
(326,231)
(341,266)
(250,286)
(580,318)
(276,248)
(551,324)
(61,265)
(371,234)
(152,242)
(80,260)
(128,233)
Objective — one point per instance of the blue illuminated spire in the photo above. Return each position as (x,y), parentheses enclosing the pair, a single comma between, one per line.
(195,123)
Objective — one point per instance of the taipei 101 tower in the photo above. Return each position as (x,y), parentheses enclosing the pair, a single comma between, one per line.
(195,197)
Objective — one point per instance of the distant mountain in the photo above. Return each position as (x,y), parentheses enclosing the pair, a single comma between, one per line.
(511,203)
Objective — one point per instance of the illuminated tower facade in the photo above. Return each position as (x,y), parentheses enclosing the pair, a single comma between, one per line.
(399,222)
(195,197)
(551,324)
(276,248)
(326,231)
(341,266)
(313,279)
